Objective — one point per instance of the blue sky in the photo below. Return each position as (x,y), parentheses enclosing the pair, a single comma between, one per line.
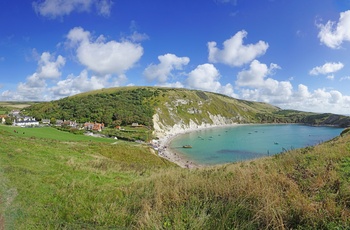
(292,54)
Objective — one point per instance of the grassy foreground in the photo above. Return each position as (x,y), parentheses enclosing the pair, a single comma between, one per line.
(53,184)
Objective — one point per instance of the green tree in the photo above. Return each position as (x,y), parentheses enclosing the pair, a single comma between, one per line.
(53,121)
(8,120)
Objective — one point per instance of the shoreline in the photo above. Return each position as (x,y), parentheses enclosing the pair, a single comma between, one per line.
(164,151)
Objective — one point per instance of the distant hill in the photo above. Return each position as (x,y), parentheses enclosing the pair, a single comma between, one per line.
(164,109)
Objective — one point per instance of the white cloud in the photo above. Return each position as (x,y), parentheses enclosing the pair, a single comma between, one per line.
(104,57)
(162,71)
(234,52)
(320,100)
(172,85)
(281,93)
(206,77)
(49,67)
(302,93)
(333,34)
(329,67)
(104,7)
(255,75)
(45,83)
(36,84)
(83,83)
(59,8)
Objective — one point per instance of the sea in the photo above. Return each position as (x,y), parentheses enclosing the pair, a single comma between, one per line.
(244,142)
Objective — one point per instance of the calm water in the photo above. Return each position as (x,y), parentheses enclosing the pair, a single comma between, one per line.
(243,142)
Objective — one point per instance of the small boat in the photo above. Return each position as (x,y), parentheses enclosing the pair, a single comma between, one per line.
(276,143)
(187,146)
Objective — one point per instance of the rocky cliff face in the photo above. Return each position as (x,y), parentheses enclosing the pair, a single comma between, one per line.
(179,115)
(161,129)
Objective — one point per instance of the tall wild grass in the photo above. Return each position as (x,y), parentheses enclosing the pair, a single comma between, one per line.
(50,184)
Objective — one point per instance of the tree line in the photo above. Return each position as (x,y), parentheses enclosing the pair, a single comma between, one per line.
(117,108)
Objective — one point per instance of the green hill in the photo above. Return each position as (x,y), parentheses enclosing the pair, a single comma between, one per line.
(163,108)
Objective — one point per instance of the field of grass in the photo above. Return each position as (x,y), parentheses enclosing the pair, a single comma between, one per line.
(51,133)
(66,183)
(56,184)
(15,105)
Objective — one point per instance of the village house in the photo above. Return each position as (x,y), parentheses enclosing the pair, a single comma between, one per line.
(3,119)
(45,121)
(69,123)
(59,122)
(15,113)
(94,126)
(135,125)
(25,121)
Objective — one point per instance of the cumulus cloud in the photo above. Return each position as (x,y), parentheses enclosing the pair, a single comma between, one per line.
(35,86)
(327,68)
(45,84)
(206,77)
(284,96)
(103,57)
(171,84)
(253,84)
(333,34)
(255,75)
(59,8)
(162,71)
(83,83)
(234,52)
(49,68)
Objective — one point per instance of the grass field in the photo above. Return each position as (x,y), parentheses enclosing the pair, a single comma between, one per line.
(52,133)
(48,183)
(54,180)
(15,105)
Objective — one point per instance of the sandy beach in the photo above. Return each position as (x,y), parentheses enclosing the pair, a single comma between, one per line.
(163,143)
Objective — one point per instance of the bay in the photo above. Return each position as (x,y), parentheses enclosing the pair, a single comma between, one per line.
(243,142)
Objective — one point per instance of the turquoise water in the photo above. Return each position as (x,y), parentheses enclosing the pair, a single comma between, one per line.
(244,142)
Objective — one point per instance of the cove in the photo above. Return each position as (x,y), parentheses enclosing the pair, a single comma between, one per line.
(243,142)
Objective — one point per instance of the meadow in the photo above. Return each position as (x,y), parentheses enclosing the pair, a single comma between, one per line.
(48,183)
(51,133)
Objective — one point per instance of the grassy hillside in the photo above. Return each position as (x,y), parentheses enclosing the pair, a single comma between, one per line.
(68,182)
(126,105)
(61,184)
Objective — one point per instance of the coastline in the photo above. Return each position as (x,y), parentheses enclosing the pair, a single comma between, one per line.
(162,146)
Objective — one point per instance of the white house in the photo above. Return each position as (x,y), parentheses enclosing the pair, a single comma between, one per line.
(26,121)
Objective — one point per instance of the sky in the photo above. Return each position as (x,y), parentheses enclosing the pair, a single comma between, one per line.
(294,54)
